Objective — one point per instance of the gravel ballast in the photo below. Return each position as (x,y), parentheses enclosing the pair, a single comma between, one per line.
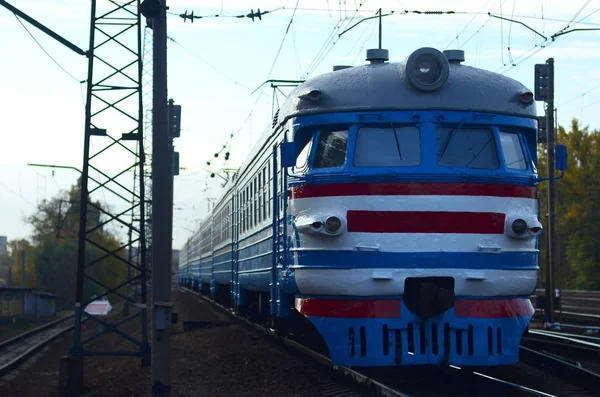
(221,359)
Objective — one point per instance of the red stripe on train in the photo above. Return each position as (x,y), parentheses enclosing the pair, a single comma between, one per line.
(494,308)
(425,222)
(413,189)
(343,308)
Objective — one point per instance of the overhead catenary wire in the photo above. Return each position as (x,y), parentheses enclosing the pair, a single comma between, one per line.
(249,116)
(330,42)
(47,53)
(468,24)
(204,61)
(546,42)
(17,194)
(287,30)
(510,58)
(576,15)
(326,48)
(480,28)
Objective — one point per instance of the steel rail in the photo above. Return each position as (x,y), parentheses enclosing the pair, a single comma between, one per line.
(561,369)
(582,340)
(505,383)
(17,361)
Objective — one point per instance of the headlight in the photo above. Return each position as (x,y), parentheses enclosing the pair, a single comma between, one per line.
(519,226)
(333,224)
(523,226)
(427,69)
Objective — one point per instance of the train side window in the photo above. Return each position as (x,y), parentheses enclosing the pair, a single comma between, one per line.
(269,184)
(259,194)
(255,201)
(244,205)
(264,193)
(331,151)
(472,148)
(513,152)
(388,147)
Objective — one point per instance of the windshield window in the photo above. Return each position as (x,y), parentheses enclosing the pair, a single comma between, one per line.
(513,153)
(332,149)
(302,159)
(387,147)
(472,148)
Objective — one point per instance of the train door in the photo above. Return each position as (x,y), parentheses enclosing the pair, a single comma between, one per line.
(279,304)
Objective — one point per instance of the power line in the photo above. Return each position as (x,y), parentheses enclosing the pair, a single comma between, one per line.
(579,95)
(469,23)
(258,14)
(18,195)
(480,28)
(283,41)
(547,40)
(331,40)
(214,68)
(510,58)
(234,133)
(46,52)
(576,15)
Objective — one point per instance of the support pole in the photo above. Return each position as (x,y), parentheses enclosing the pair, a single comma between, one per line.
(379,28)
(551,211)
(171,169)
(161,241)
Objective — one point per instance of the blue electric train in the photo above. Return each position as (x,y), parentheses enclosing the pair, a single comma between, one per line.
(392,205)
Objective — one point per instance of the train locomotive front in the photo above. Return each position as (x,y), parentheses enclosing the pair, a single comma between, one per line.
(413,207)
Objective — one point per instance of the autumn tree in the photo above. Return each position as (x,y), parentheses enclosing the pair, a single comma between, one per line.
(54,248)
(6,263)
(19,250)
(577,209)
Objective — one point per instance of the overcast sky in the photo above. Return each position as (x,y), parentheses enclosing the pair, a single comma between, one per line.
(216,63)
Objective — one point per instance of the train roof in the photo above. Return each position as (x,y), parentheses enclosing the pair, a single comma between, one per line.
(387,86)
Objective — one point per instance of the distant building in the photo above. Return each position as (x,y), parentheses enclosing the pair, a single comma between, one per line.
(175,266)
(3,244)
(4,268)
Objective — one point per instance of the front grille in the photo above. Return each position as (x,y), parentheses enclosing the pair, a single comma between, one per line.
(443,340)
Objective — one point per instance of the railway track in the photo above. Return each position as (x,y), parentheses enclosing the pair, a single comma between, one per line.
(17,350)
(574,356)
(580,306)
(417,382)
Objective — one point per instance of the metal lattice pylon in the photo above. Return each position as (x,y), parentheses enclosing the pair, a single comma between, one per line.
(113,139)
(147,104)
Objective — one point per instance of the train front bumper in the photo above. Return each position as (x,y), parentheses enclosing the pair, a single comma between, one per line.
(384,332)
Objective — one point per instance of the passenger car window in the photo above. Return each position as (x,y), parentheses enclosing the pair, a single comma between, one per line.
(331,151)
(513,152)
(387,147)
(472,148)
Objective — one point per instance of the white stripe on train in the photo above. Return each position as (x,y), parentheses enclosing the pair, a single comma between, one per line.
(386,282)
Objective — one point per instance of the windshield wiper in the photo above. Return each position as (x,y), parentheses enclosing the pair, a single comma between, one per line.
(450,138)
(478,153)
(397,142)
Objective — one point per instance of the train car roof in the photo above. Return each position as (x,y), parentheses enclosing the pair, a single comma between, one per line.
(386,86)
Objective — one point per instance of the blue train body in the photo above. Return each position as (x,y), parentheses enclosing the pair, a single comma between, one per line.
(394,206)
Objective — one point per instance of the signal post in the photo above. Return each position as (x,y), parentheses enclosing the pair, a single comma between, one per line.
(544,91)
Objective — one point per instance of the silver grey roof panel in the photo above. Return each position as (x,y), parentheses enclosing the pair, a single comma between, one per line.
(382,86)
